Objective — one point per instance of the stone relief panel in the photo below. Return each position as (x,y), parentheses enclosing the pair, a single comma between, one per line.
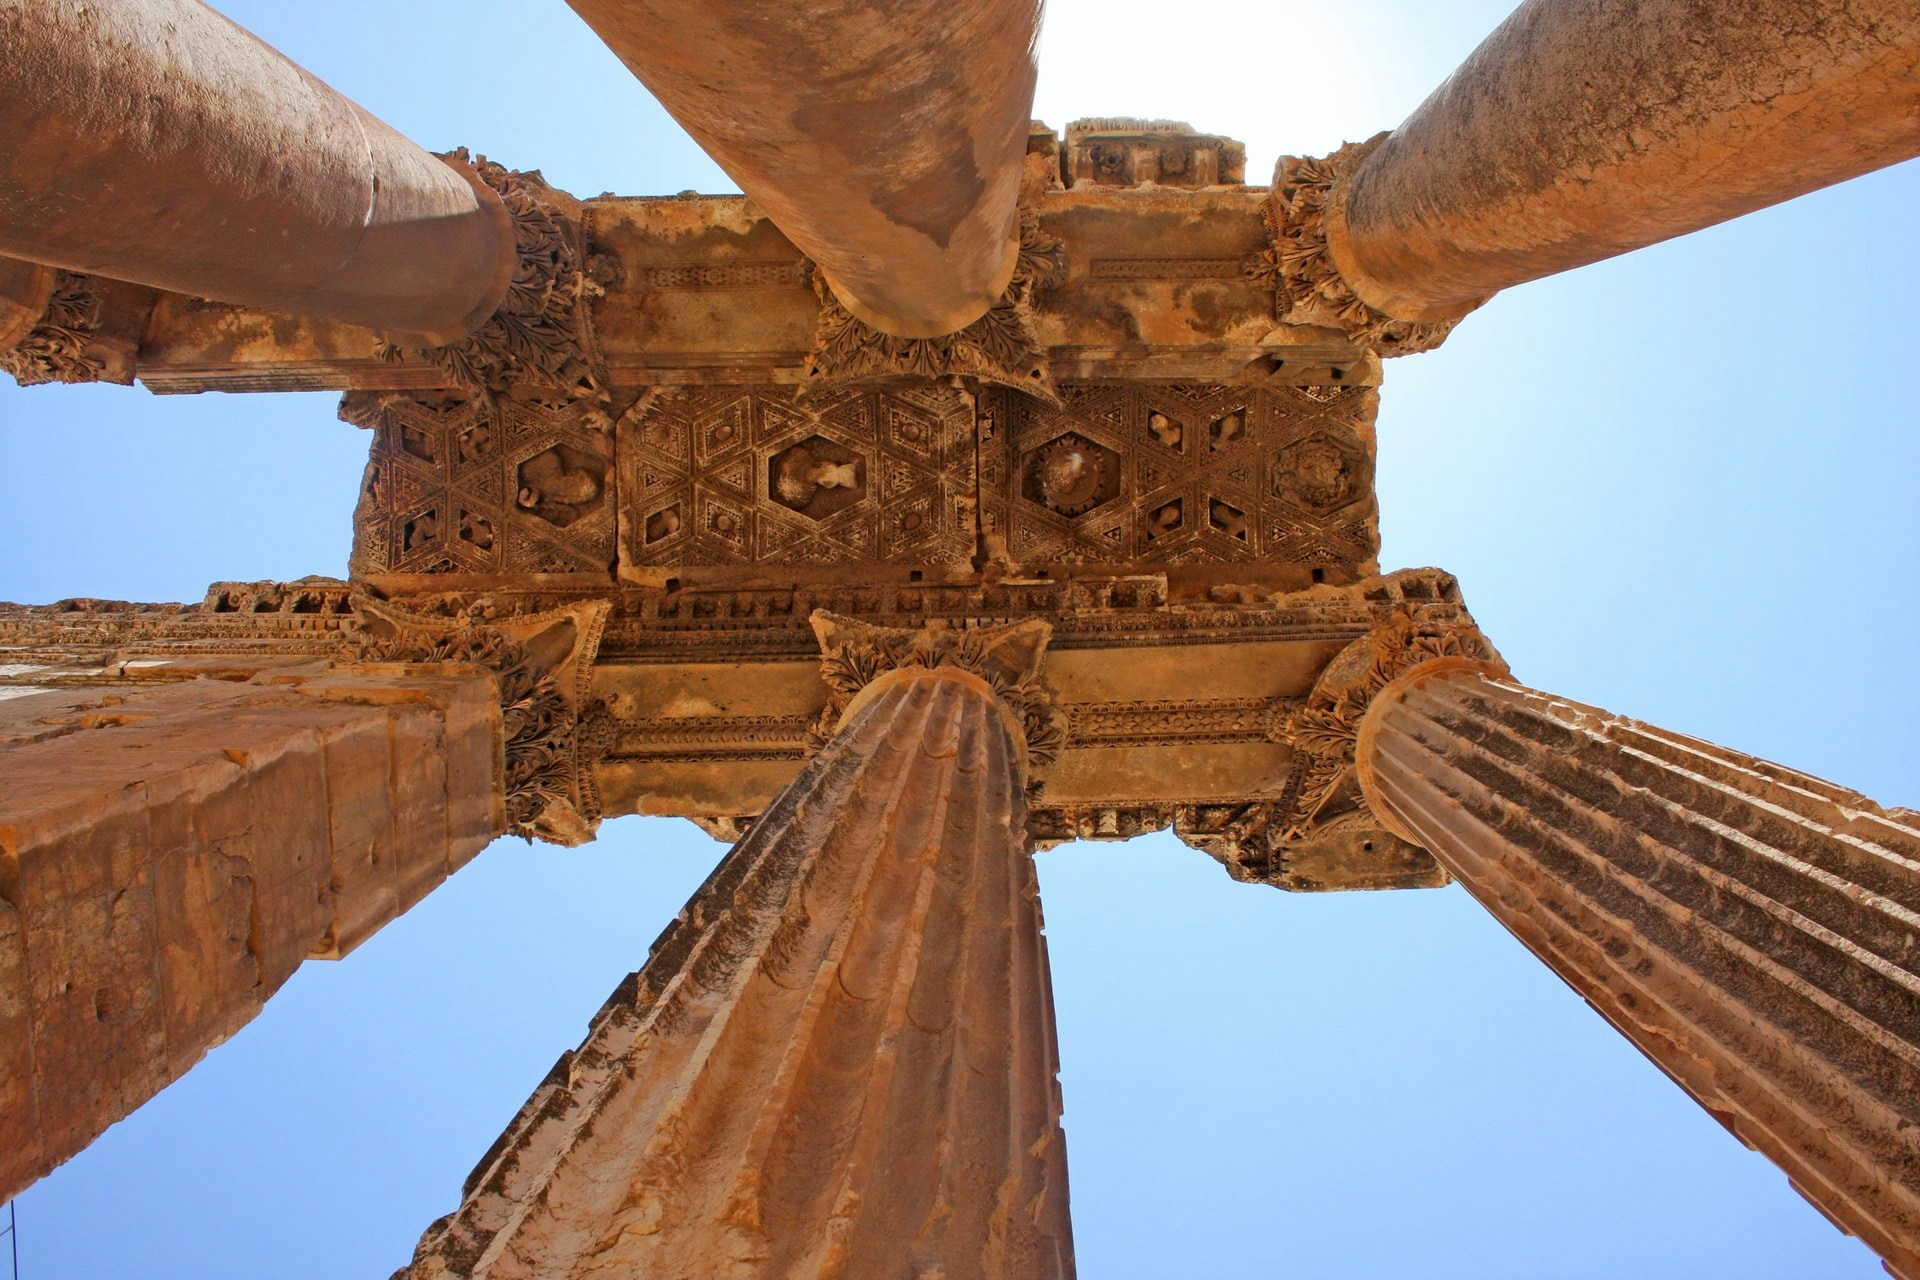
(751,478)
(497,487)
(1168,153)
(1167,474)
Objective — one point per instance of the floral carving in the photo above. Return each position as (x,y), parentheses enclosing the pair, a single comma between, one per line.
(999,347)
(1008,658)
(540,662)
(1323,733)
(540,338)
(56,350)
(1300,269)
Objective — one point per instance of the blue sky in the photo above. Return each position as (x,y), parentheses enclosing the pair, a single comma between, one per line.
(1678,485)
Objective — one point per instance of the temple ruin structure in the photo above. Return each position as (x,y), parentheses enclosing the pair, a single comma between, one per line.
(927,504)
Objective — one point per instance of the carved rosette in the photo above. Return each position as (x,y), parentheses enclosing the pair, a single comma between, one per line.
(543,663)
(1322,790)
(1008,658)
(540,340)
(1299,266)
(57,349)
(1000,347)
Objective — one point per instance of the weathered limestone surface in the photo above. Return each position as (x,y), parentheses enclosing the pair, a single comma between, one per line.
(1577,131)
(247,179)
(172,849)
(839,1060)
(1755,931)
(886,140)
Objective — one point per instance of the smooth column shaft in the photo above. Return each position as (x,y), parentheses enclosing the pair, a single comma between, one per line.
(1753,930)
(157,142)
(885,139)
(1581,129)
(170,854)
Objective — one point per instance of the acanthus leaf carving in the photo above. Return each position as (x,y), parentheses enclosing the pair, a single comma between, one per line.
(1000,347)
(540,339)
(1299,266)
(57,349)
(1008,658)
(1322,789)
(542,663)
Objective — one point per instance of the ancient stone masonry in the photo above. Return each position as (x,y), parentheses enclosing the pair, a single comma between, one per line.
(1128,152)
(196,800)
(1302,266)
(1755,931)
(840,1058)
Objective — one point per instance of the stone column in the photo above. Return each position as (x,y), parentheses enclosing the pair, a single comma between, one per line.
(886,140)
(157,142)
(839,1060)
(170,851)
(1577,131)
(1753,930)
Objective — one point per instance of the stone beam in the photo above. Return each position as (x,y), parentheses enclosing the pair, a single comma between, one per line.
(886,140)
(840,1058)
(1577,131)
(172,847)
(1753,930)
(155,141)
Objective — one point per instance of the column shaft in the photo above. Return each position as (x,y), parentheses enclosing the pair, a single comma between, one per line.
(169,856)
(885,140)
(155,141)
(839,1060)
(1755,931)
(1581,129)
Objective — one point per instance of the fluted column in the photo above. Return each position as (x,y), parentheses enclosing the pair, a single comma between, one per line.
(886,140)
(1581,129)
(1753,930)
(156,141)
(839,1060)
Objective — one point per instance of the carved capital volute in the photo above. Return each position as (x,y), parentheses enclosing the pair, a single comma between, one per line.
(543,664)
(48,323)
(858,660)
(1325,731)
(1315,277)
(1000,347)
(539,340)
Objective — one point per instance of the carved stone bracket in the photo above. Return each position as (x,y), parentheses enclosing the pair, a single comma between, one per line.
(58,347)
(1008,658)
(1000,347)
(1322,790)
(540,340)
(543,662)
(1308,285)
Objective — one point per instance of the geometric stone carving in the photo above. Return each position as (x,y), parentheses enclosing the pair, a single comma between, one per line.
(750,476)
(1125,474)
(1753,930)
(487,487)
(839,1059)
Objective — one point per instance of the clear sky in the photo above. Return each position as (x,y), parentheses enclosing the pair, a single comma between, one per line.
(1679,485)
